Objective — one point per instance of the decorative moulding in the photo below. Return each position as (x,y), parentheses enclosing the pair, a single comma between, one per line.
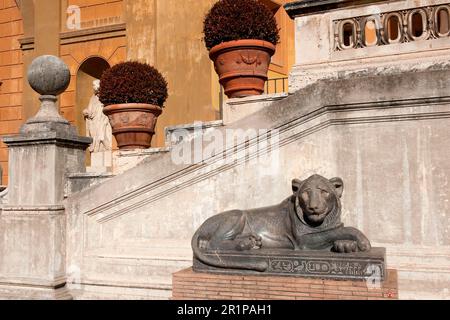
(26,43)
(305,7)
(104,32)
(406,30)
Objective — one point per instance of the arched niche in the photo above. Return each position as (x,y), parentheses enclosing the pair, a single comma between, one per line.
(90,70)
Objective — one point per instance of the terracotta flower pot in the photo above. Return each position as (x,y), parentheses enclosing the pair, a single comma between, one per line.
(242,66)
(133,124)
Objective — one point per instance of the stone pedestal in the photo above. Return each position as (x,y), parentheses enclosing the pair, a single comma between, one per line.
(101,162)
(33,219)
(189,285)
(33,222)
(33,253)
(38,164)
(313,264)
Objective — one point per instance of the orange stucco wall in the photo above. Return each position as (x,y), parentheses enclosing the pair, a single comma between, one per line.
(112,50)
(96,13)
(165,33)
(11,75)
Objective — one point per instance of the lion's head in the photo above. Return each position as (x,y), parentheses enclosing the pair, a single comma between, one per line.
(318,200)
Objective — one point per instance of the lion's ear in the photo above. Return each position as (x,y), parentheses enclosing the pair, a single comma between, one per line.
(339,185)
(296,184)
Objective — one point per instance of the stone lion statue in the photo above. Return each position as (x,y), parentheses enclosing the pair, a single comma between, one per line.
(307,220)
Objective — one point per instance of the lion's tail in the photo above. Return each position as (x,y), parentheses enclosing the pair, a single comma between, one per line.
(216,261)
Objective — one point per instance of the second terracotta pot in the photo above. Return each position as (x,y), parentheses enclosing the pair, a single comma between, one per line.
(242,66)
(133,124)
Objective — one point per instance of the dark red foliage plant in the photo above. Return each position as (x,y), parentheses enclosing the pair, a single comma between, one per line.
(132,82)
(230,20)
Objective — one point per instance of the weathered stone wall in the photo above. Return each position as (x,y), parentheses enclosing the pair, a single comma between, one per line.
(386,136)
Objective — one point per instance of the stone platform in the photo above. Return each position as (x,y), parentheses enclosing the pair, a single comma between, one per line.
(190,285)
(314,264)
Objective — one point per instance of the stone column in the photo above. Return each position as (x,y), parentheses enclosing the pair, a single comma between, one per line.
(33,221)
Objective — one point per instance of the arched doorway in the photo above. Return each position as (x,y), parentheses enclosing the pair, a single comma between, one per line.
(90,70)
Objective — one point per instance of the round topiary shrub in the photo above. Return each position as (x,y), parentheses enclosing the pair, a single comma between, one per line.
(230,20)
(132,82)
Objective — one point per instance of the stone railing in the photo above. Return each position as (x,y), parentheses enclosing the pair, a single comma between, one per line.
(402,26)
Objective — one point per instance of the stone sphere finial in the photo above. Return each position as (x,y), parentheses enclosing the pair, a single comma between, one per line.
(48,75)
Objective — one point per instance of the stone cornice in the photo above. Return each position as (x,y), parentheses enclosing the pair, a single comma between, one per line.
(33,211)
(26,43)
(83,35)
(305,7)
(53,138)
(111,31)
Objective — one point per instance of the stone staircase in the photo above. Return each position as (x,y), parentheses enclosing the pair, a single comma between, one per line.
(128,233)
(126,160)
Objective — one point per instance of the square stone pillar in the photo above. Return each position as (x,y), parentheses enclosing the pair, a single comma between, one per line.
(33,222)
(33,219)
(39,163)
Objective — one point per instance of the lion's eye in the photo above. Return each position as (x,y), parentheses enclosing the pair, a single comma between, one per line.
(325,193)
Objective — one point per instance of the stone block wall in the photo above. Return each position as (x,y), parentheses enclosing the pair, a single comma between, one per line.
(189,285)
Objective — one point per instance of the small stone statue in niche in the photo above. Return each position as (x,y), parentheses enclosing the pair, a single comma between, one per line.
(99,129)
(97,124)
(310,219)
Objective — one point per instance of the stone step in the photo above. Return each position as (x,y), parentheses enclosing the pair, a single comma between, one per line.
(77,182)
(186,132)
(124,160)
(145,272)
(161,290)
(128,159)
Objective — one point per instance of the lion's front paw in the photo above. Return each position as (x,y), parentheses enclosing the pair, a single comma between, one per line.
(250,243)
(364,245)
(345,246)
